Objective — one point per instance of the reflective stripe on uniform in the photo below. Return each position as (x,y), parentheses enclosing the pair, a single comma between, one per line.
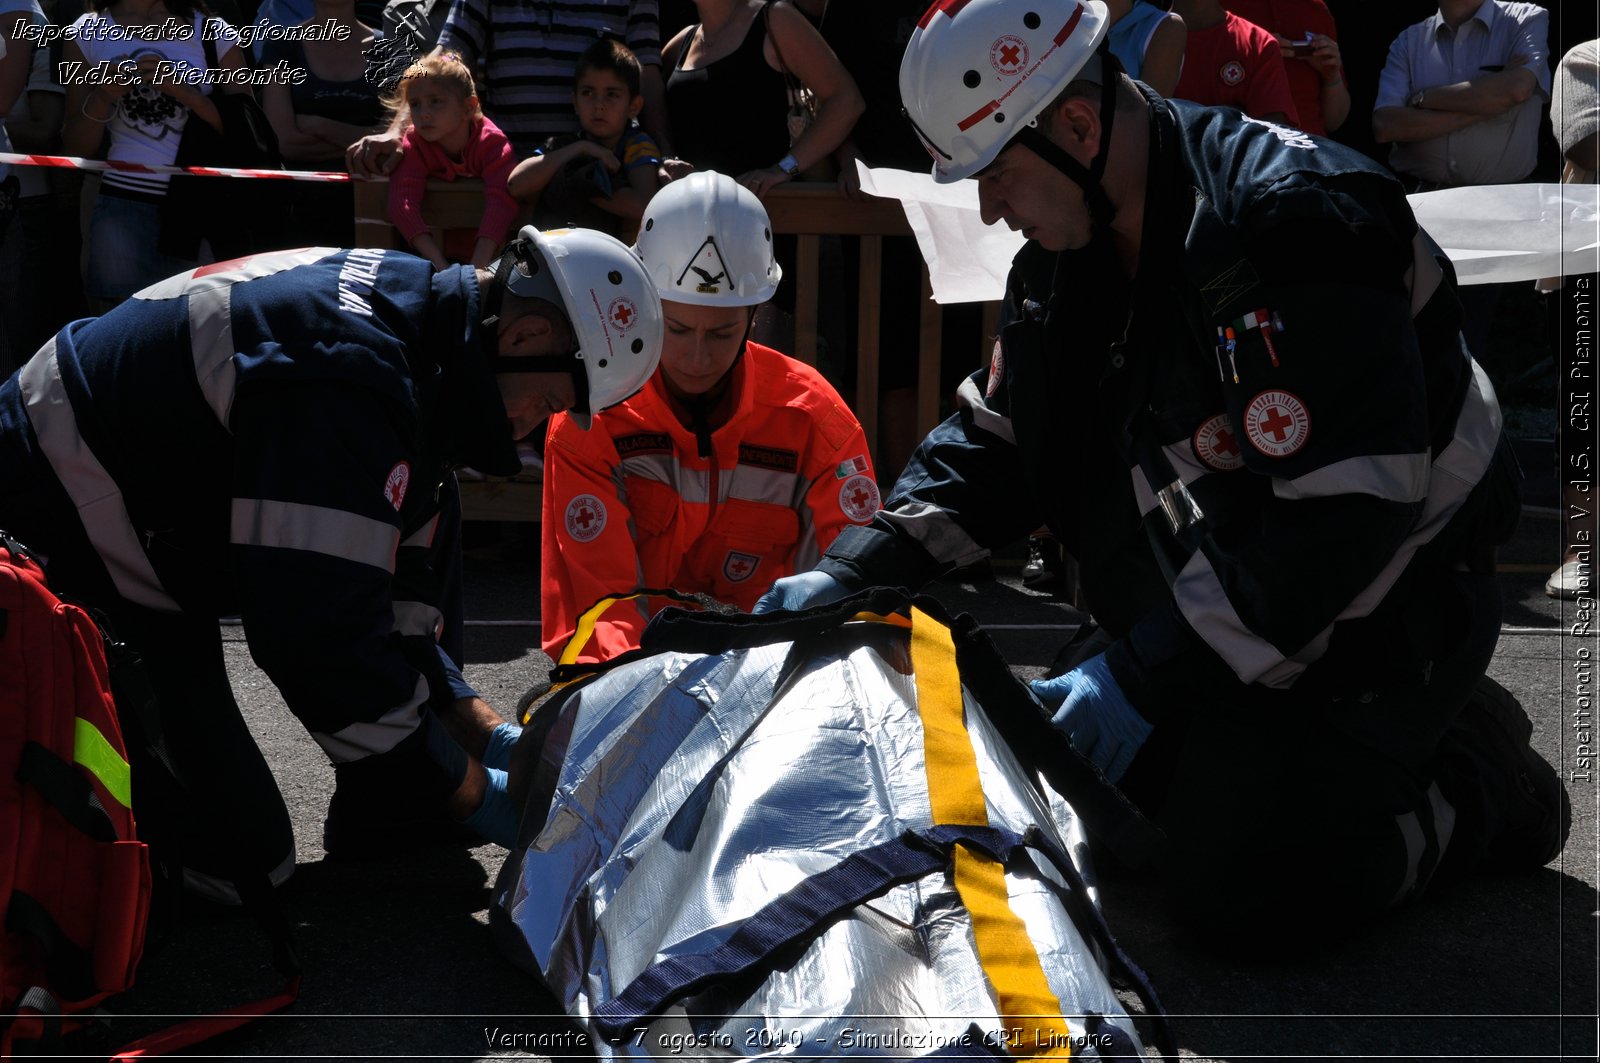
(995,424)
(94,493)
(417,618)
(1206,607)
(775,488)
(211,344)
(367,739)
(1455,472)
(1392,477)
(318,529)
(423,536)
(807,551)
(944,540)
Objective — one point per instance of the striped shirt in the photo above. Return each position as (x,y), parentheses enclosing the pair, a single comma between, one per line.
(526,56)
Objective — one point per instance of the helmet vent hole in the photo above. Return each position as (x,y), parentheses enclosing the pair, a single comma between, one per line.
(1031,20)
(971,79)
(601,363)
(767,233)
(614,277)
(638,345)
(649,223)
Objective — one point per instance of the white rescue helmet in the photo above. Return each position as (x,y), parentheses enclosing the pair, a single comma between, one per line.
(610,302)
(706,239)
(976,72)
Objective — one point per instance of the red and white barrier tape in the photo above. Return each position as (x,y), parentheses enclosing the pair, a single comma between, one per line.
(70,162)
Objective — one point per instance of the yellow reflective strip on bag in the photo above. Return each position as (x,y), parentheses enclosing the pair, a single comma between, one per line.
(101,759)
(1030,1010)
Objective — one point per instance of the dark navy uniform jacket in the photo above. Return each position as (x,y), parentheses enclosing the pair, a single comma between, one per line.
(268,437)
(1243,504)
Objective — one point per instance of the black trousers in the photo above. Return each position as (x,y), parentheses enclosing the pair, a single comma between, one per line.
(1293,815)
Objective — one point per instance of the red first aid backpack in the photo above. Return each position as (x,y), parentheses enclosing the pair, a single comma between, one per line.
(74,881)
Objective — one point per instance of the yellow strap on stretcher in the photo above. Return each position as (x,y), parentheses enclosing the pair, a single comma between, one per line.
(586,625)
(1030,1010)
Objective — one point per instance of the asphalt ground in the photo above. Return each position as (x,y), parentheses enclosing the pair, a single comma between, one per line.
(399,963)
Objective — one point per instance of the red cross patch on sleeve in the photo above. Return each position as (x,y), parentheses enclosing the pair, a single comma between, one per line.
(1277,423)
(586,518)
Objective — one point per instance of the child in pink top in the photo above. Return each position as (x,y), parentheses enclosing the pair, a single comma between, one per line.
(447,136)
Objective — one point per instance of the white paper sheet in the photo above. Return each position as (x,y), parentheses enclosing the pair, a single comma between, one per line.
(1492,233)
(967,260)
(1501,233)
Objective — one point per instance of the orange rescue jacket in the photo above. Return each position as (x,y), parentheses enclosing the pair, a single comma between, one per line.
(630,503)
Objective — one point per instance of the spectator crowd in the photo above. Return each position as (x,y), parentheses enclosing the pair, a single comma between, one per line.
(578,112)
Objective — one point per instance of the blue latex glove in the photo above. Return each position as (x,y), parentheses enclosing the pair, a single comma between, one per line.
(801,591)
(1095,715)
(502,740)
(495,819)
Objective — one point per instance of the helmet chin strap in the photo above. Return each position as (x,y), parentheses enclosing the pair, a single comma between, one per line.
(1088,178)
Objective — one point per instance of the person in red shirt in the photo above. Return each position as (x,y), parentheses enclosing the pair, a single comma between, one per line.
(447,136)
(1308,40)
(734,466)
(1229,62)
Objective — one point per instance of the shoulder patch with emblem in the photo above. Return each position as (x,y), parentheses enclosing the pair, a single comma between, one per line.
(1217,445)
(997,369)
(394,486)
(586,518)
(1277,423)
(858,498)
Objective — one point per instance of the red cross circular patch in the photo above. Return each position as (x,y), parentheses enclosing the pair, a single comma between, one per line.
(622,313)
(997,371)
(1009,55)
(858,497)
(1232,72)
(586,517)
(1277,423)
(1216,444)
(394,487)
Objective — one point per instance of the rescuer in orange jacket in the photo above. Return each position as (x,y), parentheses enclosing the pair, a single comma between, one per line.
(734,466)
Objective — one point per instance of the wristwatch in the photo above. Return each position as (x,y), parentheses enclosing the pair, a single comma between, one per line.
(1416,98)
(789,165)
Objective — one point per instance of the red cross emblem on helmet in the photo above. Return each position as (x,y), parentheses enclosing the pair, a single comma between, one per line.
(1009,55)
(622,314)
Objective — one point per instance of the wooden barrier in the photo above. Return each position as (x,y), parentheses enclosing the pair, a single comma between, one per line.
(807,210)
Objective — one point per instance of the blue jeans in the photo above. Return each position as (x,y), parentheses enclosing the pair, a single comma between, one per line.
(123,236)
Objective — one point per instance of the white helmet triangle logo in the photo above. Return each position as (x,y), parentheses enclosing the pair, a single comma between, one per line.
(711,272)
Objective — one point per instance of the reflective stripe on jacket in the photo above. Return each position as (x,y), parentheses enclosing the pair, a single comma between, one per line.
(253,438)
